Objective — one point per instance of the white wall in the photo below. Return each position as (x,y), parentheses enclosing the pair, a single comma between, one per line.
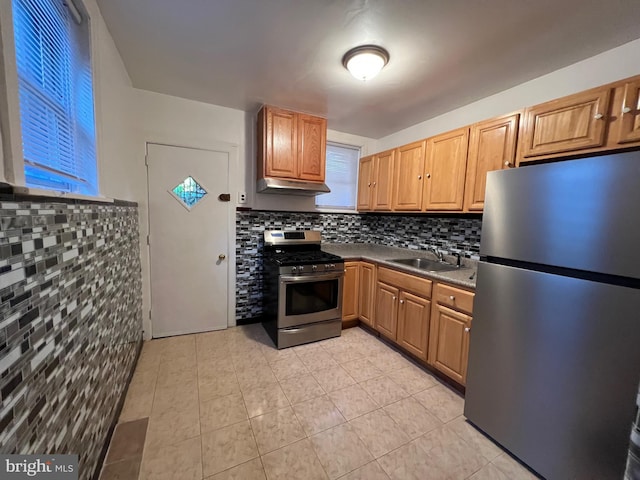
(612,65)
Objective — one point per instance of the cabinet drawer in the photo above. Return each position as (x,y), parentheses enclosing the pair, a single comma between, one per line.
(455,298)
(410,283)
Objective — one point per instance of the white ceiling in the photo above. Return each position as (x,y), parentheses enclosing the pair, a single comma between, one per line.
(444,53)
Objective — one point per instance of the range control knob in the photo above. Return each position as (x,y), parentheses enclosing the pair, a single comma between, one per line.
(314,267)
(293,269)
(333,265)
(301,268)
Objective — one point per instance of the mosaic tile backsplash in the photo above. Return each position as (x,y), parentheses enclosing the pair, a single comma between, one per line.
(449,234)
(70,324)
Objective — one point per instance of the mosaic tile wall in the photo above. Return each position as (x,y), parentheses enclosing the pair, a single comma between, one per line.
(450,234)
(70,324)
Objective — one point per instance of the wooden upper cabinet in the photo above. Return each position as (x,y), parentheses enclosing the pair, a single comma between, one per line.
(350,297)
(449,342)
(367,292)
(568,124)
(383,180)
(365,183)
(291,145)
(413,324)
(629,123)
(409,177)
(312,144)
(386,320)
(445,171)
(492,146)
(281,142)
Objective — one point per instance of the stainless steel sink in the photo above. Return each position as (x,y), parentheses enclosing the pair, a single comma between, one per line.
(425,264)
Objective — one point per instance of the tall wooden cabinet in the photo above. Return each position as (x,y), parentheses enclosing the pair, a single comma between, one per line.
(492,146)
(408,177)
(350,291)
(375,182)
(386,319)
(367,292)
(365,183)
(413,324)
(312,144)
(445,170)
(291,145)
(450,331)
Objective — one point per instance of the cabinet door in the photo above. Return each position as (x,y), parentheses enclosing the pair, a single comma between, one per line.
(446,166)
(386,310)
(408,177)
(365,184)
(367,290)
(281,143)
(571,123)
(383,180)
(312,143)
(350,295)
(630,116)
(492,146)
(449,342)
(413,324)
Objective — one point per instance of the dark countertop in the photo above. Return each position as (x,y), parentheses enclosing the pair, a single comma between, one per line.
(381,255)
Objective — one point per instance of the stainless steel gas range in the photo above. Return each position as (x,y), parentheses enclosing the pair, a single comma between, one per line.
(302,288)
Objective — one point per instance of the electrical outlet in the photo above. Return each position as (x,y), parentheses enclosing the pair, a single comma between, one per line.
(242,198)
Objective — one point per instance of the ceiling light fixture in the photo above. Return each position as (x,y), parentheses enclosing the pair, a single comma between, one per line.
(366,61)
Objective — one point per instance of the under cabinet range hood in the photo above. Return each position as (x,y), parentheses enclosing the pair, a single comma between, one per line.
(283,186)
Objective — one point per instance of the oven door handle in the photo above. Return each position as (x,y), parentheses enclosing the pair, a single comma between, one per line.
(310,278)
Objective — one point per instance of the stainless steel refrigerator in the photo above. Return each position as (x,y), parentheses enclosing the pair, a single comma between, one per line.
(554,361)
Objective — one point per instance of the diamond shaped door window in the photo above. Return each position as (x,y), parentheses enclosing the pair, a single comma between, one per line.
(189,192)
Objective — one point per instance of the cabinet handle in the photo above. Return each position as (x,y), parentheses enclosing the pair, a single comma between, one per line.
(369,183)
(401,301)
(507,163)
(419,177)
(598,116)
(626,109)
(394,298)
(452,298)
(467,329)
(428,175)
(374,184)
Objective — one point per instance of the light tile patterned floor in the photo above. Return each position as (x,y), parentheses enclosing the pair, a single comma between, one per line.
(228,405)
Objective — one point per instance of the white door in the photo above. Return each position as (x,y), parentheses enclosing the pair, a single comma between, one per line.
(188,227)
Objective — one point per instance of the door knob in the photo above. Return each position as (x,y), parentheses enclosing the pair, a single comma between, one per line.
(222,256)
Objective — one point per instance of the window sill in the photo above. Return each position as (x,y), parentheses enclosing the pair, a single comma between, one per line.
(336,210)
(38,192)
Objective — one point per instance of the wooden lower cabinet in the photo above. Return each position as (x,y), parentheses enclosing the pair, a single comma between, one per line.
(413,324)
(449,342)
(386,318)
(350,296)
(367,292)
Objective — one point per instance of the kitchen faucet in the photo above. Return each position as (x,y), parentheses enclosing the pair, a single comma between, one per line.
(437,252)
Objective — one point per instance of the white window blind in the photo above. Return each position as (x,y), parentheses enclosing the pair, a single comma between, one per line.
(341,177)
(56,96)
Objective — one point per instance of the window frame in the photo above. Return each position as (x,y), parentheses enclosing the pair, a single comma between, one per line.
(332,209)
(12,162)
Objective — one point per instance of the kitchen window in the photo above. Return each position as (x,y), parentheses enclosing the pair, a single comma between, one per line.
(341,177)
(56,95)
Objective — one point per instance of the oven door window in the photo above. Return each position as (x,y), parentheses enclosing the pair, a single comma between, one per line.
(312,297)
